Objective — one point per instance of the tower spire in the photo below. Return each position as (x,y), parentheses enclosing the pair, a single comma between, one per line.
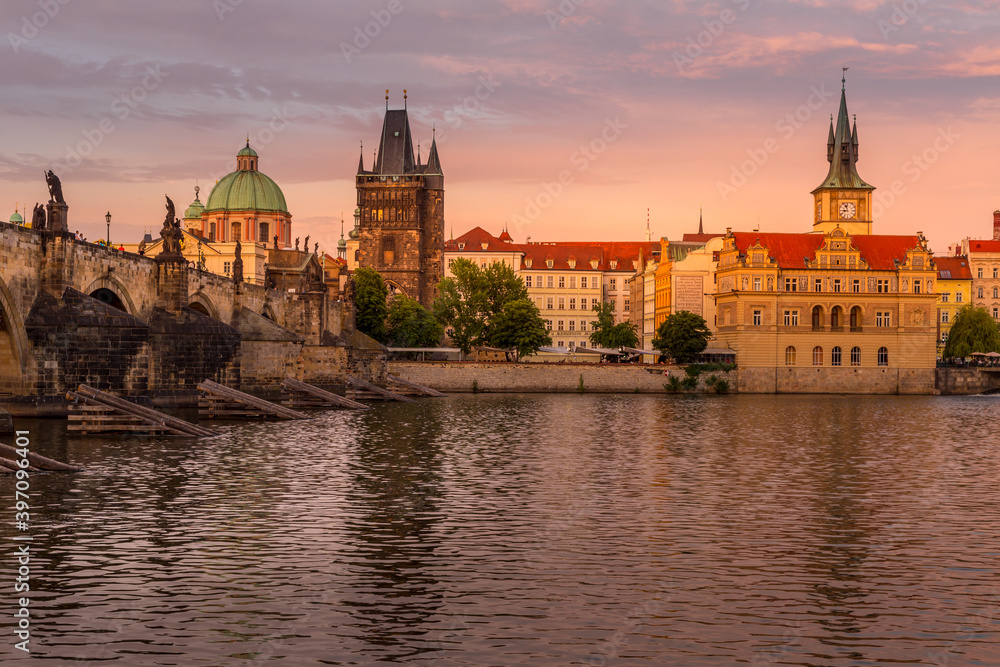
(842,151)
(361,160)
(701,229)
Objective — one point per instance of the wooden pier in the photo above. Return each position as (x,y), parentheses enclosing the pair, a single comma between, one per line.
(360,389)
(298,394)
(221,402)
(405,387)
(92,411)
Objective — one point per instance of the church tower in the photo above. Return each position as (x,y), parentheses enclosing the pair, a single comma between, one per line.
(401,212)
(843,199)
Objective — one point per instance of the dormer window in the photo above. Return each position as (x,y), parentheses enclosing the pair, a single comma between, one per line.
(485,244)
(572,262)
(461,245)
(614,264)
(593,263)
(528,262)
(549,263)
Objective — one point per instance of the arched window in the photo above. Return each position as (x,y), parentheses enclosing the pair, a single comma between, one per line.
(789,356)
(817,356)
(357,255)
(264,232)
(996,293)
(211,231)
(236,231)
(856,318)
(855,356)
(883,356)
(835,357)
(817,317)
(835,317)
(980,292)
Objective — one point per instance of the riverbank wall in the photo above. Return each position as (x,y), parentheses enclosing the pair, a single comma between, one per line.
(497,377)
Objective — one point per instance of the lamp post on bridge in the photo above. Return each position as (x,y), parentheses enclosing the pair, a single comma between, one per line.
(108,236)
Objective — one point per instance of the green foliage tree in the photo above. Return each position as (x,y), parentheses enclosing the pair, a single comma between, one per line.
(682,336)
(973,330)
(520,326)
(610,335)
(411,325)
(472,302)
(370,294)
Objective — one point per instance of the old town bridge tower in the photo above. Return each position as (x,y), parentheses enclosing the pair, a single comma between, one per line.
(401,206)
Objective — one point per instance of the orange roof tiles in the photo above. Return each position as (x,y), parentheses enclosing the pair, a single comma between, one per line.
(983,246)
(953,268)
(791,251)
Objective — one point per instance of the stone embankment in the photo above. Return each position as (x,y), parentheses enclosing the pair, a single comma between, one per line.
(496,377)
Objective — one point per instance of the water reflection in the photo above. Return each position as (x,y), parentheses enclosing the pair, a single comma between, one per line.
(593,529)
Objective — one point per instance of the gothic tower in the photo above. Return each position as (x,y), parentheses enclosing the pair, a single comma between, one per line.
(401,206)
(843,199)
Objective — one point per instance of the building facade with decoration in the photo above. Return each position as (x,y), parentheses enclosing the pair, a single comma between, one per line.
(837,310)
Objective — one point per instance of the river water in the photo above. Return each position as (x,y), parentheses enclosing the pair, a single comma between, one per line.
(528,529)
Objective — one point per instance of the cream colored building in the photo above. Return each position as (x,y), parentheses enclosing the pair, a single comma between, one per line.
(212,257)
(693,282)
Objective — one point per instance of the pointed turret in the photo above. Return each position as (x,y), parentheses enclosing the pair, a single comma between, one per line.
(395,150)
(854,139)
(433,161)
(701,228)
(361,160)
(842,153)
(830,142)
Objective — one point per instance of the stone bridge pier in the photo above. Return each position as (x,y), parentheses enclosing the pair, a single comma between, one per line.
(152,329)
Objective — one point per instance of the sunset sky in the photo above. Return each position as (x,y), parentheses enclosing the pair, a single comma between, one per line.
(662,105)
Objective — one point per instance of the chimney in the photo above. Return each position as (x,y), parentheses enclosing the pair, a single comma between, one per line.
(996,225)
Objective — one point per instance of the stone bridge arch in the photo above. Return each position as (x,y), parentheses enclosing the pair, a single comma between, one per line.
(115,286)
(200,302)
(13,343)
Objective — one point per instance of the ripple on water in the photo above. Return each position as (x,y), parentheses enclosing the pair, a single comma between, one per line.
(594,529)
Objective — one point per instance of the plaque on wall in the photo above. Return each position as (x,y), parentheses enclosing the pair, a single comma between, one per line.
(690,294)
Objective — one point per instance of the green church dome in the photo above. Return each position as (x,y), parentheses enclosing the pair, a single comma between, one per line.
(246,191)
(246,150)
(16,219)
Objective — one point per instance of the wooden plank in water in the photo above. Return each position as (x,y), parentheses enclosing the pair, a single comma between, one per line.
(419,387)
(368,386)
(39,461)
(173,424)
(322,394)
(216,389)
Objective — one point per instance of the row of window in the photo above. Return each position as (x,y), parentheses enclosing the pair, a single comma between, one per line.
(561,324)
(946,296)
(550,303)
(856,320)
(945,316)
(562,343)
(996,293)
(836,356)
(996,272)
(882,285)
(585,282)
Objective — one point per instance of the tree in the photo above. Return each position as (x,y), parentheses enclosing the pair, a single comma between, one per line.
(461,303)
(682,336)
(973,330)
(409,324)
(370,294)
(611,335)
(471,301)
(520,326)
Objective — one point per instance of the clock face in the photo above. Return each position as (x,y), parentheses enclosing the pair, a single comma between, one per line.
(847,210)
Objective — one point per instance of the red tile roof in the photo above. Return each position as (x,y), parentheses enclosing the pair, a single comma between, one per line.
(474,238)
(957,268)
(791,251)
(983,246)
(625,254)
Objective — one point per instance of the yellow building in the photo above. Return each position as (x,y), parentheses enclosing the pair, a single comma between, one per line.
(838,310)
(954,290)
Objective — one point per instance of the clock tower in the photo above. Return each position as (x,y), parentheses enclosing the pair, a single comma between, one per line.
(843,199)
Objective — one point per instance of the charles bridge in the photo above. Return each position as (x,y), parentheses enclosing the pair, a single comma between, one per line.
(78,313)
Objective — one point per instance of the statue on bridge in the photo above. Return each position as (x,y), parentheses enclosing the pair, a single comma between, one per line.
(171,233)
(55,188)
(238,264)
(38,218)
(296,244)
(306,245)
